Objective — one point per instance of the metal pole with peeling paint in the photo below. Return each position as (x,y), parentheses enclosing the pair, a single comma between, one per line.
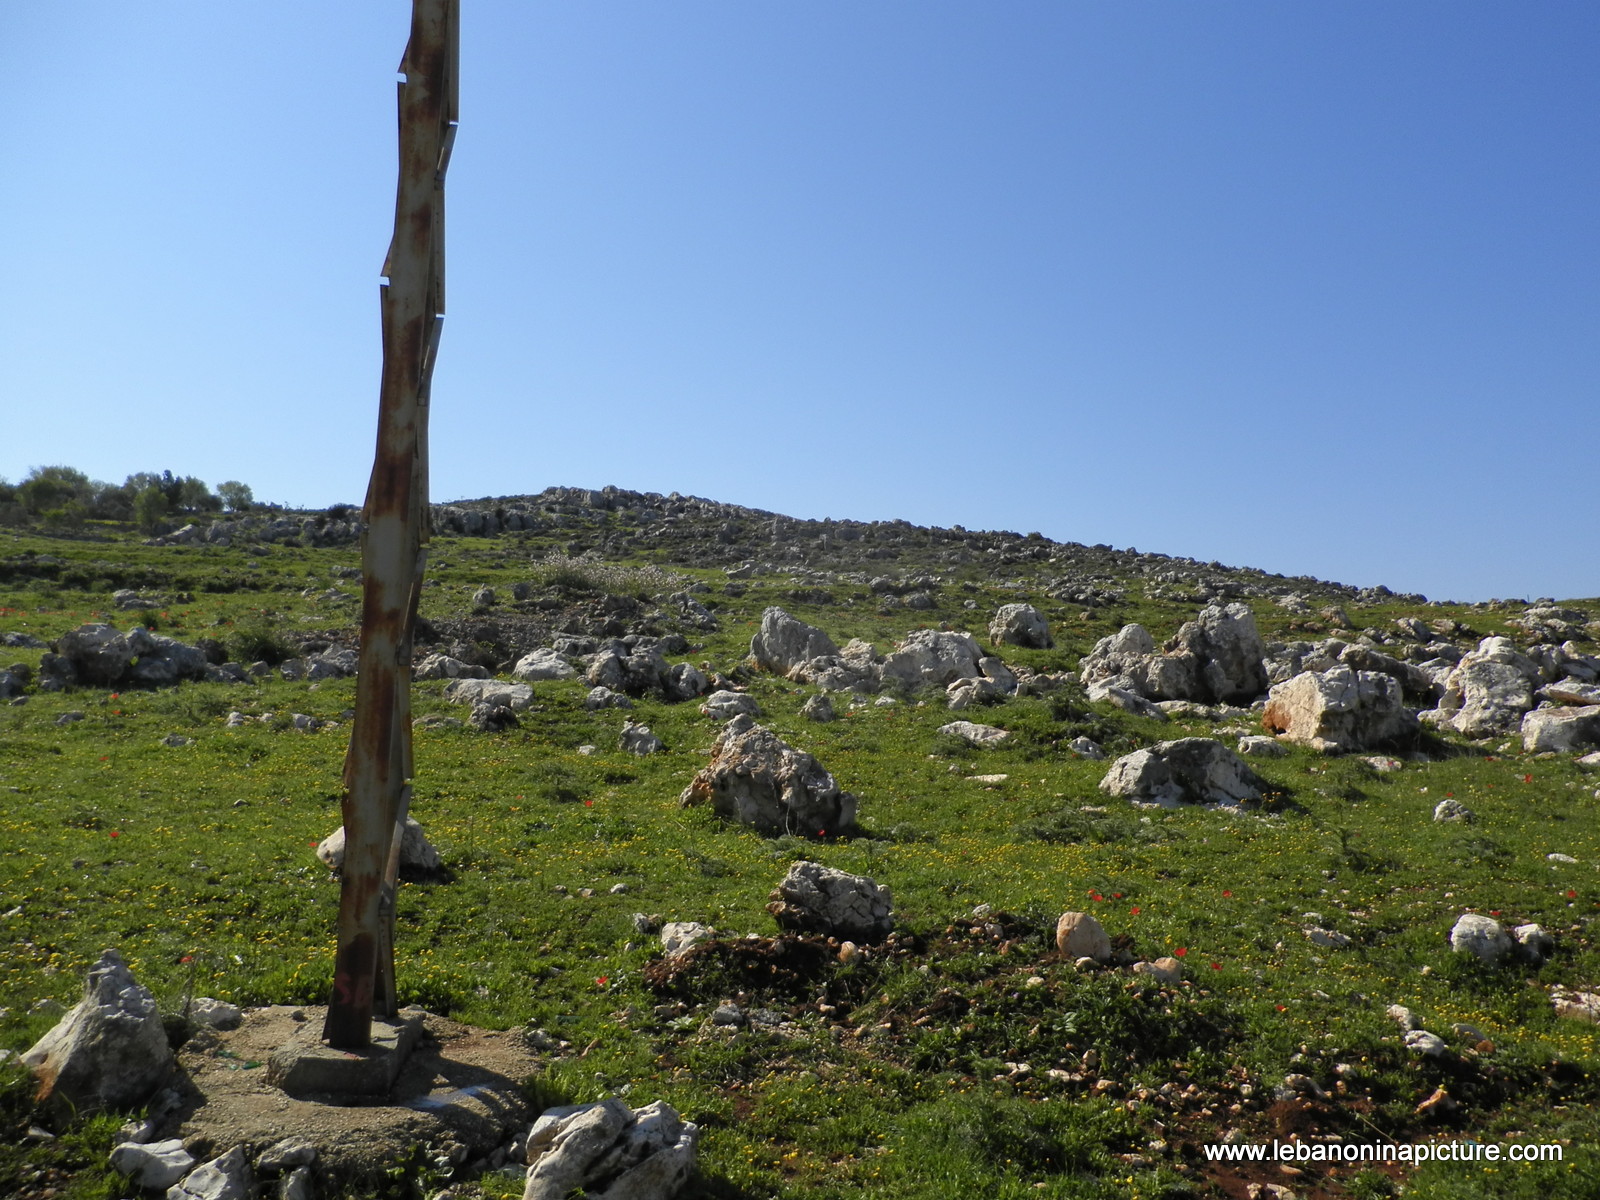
(378,765)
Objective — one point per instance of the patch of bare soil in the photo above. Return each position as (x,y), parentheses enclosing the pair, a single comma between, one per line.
(458,1094)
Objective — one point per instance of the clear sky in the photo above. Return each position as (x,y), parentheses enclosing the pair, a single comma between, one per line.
(1313,287)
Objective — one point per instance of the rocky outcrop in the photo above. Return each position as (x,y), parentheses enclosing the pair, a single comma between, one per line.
(1189,770)
(637,739)
(110,1050)
(1339,711)
(756,779)
(442,666)
(813,898)
(1482,937)
(724,706)
(96,655)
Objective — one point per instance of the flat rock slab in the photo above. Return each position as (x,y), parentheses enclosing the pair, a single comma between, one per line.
(308,1068)
(457,1084)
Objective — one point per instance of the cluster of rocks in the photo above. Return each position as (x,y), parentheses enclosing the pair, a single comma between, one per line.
(1214,659)
(97,655)
(1081,937)
(1488,941)
(1550,695)
(1340,696)
(111,1051)
(926,658)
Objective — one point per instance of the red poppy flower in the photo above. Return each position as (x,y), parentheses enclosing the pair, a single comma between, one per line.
(1527,779)
(116,833)
(601,980)
(1226,894)
(1134,910)
(1571,895)
(588,803)
(1216,966)
(1181,951)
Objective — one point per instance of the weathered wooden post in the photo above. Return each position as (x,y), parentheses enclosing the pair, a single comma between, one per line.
(377,769)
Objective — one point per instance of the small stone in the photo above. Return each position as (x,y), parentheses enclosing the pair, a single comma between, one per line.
(1079,935)
(1439,1103)
(678,936)
(216,1014)
(153,1165)
(1453,810)
(227,1177)
(285,1155)
(1429,1045)
(1403,1016)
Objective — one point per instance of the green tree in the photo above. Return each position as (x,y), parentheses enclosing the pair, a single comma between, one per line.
(52,487)
(235,496)
(195,496)
(149,506)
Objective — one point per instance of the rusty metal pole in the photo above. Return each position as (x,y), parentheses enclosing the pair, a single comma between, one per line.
(378,765)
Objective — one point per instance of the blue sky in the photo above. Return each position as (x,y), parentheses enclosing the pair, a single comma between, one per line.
(1309,287)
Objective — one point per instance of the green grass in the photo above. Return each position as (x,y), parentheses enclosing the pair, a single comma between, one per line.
(205,851)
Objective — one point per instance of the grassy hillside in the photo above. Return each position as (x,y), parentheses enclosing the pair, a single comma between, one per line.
(951,1062)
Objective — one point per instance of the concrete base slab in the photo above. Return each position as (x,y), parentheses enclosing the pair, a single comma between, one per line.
(459,1086)
(305,1066)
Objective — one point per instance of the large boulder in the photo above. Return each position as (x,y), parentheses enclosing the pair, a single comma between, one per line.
(607,1151)
(1195,770)
(1020,625)
(724,705)
(493,693)
(417,853)
(756,779)
(813,898)
(1079,935)
(110,1050)
(1563,730)
(1489,690)
(442,666)
(932,658)
(1482,937)
(784,643)
(980,737)
(543,664)
(1339,710)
